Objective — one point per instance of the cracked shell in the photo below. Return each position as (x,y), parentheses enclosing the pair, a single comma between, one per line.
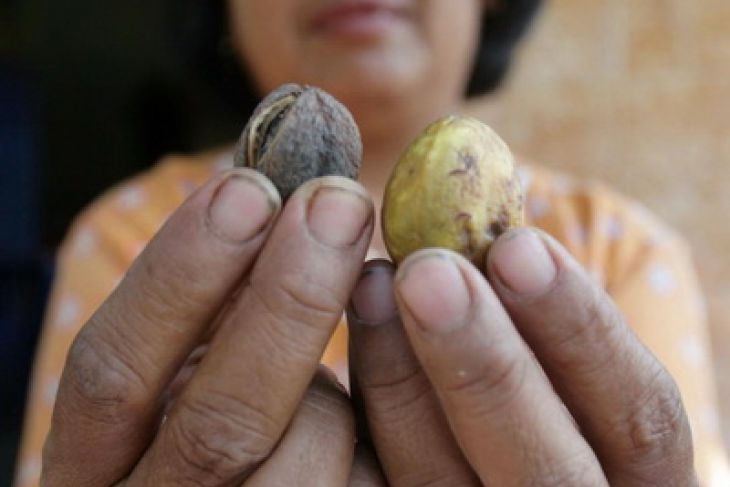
(298,133)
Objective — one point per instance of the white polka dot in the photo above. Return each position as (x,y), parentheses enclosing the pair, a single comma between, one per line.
(538,207)
(30,472)
(69,311)
(661,280)
(562,185)
(131,198)
(526,176)
(224,162)
(50,389)
(693,353)
(612,227)
(85,241)
(577,234)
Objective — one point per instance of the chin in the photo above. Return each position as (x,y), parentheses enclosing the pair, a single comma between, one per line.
(371,77)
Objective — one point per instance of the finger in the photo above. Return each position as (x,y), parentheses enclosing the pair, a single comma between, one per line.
(366,471)
(245,391)
(624,400)
(122,360)
(512,427)
(406,424)
(318,446)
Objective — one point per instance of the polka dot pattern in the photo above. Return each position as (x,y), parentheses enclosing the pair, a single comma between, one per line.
(661,280)
(131,198)
(577,234)
(69,312)
(538,207)
(612,228)
(693,352)
(85,242)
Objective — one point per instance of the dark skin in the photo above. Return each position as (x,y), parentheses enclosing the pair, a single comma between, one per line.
(516,371)
(261,282)
(448,390)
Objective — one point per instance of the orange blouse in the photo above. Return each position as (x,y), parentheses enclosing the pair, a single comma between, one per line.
(644,266)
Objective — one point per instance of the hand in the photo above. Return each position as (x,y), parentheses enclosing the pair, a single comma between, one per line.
(529,378)
(267,289)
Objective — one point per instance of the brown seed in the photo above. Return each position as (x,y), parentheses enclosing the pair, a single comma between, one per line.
(298,133)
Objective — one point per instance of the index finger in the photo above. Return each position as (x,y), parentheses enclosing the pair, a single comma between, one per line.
(235,409)
(121,361)
(503,411)
(626,403)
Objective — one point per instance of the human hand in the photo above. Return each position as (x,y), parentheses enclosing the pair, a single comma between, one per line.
(266,288)
(529,377)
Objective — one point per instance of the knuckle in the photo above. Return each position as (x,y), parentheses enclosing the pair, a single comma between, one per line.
(296,297)
(657,425)
(108,387)
(398,397)
(597,329)
(172,289)
(221,436)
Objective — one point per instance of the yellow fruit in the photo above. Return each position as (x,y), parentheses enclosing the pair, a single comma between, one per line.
(455,187)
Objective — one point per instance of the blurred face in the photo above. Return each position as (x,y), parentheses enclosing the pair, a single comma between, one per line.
(362,51)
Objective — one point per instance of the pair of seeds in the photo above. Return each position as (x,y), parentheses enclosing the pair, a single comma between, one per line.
(454,187)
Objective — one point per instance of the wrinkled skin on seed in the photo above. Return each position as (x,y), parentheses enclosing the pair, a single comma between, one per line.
(298,133)
(455,187)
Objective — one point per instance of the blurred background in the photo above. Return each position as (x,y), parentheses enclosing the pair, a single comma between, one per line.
(634,93)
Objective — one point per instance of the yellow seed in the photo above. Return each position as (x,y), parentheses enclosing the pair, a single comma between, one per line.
(455,187)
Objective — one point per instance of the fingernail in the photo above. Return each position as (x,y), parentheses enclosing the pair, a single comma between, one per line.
(433,289)
(372,301)
(523,263)
(337,216)
(241,207)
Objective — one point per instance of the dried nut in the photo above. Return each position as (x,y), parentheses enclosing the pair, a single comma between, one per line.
(455,187)
(298,133)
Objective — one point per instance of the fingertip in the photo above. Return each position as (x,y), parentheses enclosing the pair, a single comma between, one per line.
(373,300)
(522,262)
(339,211)
(434,287)
(242,205)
